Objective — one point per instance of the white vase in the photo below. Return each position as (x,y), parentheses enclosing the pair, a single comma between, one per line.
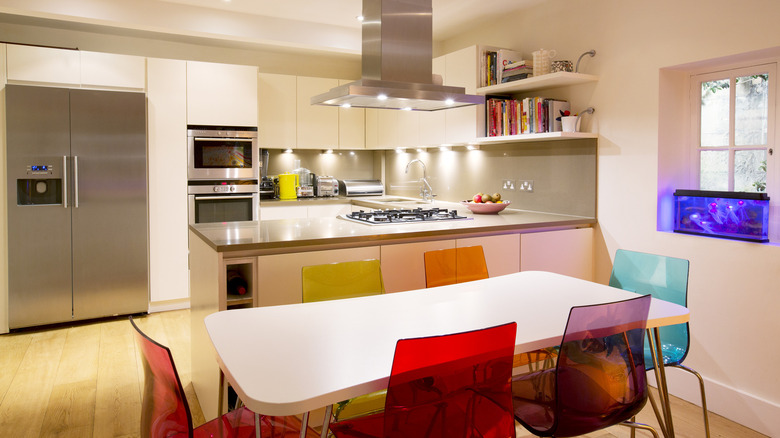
(570,123)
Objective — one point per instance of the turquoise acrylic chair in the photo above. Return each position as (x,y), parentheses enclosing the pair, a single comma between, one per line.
(665,278)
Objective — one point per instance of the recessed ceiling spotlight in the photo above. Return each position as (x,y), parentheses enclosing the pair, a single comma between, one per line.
(382,97)
(346,105)
(358,18)
(449,101)
(407,108)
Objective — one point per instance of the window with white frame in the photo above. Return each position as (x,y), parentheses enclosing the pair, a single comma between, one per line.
(733,127)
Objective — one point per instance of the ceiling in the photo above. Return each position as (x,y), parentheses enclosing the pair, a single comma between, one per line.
(310,25)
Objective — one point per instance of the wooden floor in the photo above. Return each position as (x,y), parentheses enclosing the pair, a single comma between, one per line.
(85,380)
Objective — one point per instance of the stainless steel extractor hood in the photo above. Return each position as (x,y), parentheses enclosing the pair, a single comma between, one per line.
(397,57)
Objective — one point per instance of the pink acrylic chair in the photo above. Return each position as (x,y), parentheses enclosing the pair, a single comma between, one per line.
(599,379)
(166,412)
(455,385)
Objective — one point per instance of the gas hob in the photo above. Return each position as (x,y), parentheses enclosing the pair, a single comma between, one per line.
(404,216)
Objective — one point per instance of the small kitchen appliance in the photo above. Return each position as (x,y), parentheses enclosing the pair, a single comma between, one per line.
(361,187)
(220,153)
(326,186)
(287,186)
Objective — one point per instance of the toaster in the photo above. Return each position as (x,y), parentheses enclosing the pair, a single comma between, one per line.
(326,186)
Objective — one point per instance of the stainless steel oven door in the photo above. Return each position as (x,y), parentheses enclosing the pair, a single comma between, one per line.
(228,207)
(214,154)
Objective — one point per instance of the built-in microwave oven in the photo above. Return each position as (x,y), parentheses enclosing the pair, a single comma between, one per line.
(222,153)
(226,201)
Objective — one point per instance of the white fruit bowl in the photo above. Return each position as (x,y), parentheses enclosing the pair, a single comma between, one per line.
(485,208)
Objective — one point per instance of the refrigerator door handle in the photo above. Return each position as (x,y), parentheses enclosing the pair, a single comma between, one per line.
(65,181)
(75,181)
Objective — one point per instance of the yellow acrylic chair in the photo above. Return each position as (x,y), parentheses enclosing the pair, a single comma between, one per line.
(334,281)
(454,265)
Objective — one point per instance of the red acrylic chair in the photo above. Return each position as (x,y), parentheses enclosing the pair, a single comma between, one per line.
(599,379)
(454,265)
(166,412)
(455,385)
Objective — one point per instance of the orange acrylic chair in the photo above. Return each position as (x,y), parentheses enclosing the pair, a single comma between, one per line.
(455,385)
(166,412)
(454,265)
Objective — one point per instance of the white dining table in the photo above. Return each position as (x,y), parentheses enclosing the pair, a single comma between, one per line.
(292,359)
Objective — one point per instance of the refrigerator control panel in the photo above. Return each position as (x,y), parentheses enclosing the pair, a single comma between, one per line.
(40,169)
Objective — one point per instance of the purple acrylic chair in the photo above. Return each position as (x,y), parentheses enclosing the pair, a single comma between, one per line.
(448,386)
(166,412)
(599,379)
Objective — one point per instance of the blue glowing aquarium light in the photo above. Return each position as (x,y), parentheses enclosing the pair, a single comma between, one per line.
(732,215)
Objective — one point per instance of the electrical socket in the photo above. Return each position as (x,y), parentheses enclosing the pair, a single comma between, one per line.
(526,185)
(509,184)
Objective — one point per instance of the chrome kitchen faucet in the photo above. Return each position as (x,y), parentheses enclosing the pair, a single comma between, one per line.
(426,191)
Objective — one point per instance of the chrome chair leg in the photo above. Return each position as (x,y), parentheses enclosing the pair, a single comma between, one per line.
(703,396)
(326,421)
(304,424)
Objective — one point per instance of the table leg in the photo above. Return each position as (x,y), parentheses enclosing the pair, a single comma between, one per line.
(304,424)
(660,376)
(326,421)
(221,396)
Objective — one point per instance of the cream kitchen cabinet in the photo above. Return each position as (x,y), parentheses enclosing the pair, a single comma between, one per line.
(113,71)
(43,65)
(465,124)
(381,129)
(352,126)
(3,194)
(277,111)
(167,133)
(432,123)
(221,94)
(567,252)
(502,252)
(317,125)
(403,266)
(73,68)
(279,275)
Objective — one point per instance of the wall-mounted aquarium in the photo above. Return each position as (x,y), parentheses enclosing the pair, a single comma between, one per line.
(732,215)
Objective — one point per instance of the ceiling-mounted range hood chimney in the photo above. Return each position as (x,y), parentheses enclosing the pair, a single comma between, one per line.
(397,57)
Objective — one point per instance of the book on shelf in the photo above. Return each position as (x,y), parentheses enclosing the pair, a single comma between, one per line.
(493,62)
(505,57)
(531,115)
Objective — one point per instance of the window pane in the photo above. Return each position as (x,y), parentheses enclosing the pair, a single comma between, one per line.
(714,173)
(750,171)
(715,113)
(751,110)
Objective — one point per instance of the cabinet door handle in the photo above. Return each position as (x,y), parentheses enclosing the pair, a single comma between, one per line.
(76,181)
(221,198)
(65,181)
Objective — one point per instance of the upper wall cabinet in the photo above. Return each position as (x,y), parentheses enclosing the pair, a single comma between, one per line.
(42,65)
(318,125)
(276,101)
(461,69)
(110,70)
(221,94)
(73,68)
(352,126)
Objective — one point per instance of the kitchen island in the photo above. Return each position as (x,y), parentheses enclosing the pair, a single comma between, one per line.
(271,253)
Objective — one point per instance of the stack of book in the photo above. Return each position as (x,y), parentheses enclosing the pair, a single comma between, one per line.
(493,64)
(532,115)
(517,70)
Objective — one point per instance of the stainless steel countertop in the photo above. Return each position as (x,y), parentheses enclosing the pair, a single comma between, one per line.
(297,235)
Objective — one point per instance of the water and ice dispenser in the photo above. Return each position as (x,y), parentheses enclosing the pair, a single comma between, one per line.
(40,187)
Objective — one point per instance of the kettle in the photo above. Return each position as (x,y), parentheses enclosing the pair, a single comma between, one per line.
(287,184)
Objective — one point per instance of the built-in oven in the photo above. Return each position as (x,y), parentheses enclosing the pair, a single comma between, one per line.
(219,153)
(222,201)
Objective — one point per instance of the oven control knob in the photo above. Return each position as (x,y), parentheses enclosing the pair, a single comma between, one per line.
(232,188)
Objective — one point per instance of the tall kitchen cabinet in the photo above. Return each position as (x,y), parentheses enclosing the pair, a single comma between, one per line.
(3,191)
(76,205)
(168,222)
(221,94)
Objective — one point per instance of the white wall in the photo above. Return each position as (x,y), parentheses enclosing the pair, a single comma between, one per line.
(733,295)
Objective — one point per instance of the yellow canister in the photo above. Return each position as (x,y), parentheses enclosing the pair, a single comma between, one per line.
(287,184)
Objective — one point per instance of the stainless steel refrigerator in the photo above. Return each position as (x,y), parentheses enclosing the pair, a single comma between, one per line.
(77,204)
